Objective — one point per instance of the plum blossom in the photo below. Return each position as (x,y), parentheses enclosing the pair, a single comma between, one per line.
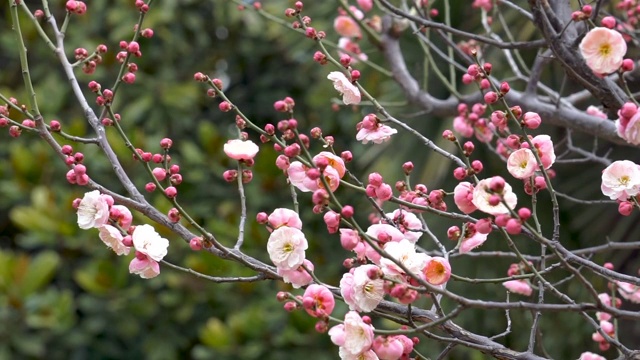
(334,161)
(148,242)
(113,239)
(405,253)
(463,197)
(388,347)
(284,217)
(298,277)
(621,180)
(359,291)
(472,242)
(351,47)
(384,233)
(522,164)
(350,93)
(298,177)
(378,135)
(147,268)
(437,271)
(345,26)
(544,146)
(518,287)
(595,111)
(318,301)
(629,129)
(241,150)
(409,224)
(482,195)
(124,217)
(629,291)
(603,49)
(286,247)
(591,356)
(354,337)
(93,210)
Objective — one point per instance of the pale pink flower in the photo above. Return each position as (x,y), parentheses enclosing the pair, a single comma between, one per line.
(404,252)
(472,242)
(359,291)
(332,177)
(482,194)
(349,239)
(147,241)
(365,5)
(297,173)
(518,287)
(629,291)
(463,126)
(378,135)
(367,355)
(298,277)
(113,239)
(318,301)
(522,164)
(595,111)
(486,5)
(463,197)
(344,25)
(629,130)
(437,271)
(93,210)
(603,49)
(241,150)
(147,268)
(352,49)
(384,232)
(125,217)
(408,223)
(591,356)
(388,347)
(544,146)
(335,162)
(358,335)
(621,180)
(286,247)
(484,131)
(284,217)
(350,93)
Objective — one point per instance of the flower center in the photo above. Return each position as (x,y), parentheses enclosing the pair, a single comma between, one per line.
(605,50)
(624,180)
(287,248)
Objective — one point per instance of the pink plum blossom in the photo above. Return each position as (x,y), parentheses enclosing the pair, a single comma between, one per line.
(388,347)
(629,291)
(113,239)
(334,161)
(241,150)
(384,233)
(147,241)
(284,217)
(345,26)
(405,253)
(286,247)
(378,135)
(318,301)
(482,194)
(591,356)
(603,49)
(125,217)
(621,180)
(365,5)
(518,287)
(544,146)
(297,173)
(409,224)
(522,164)
(463,197)
(350,93)
(595,111)
(147,268)
(93,210)
(359,291)
(352,49)
(298,277)
(354,336)
(629,129)
(472,242)
(437,271)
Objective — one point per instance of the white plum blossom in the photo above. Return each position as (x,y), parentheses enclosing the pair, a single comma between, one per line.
(240,149)
(361,292)
(621,180)
(482,194)
(409,224)
(379,135)
(93,210)
(522,163)
(286,247)
(403,252)
(147,241)
(354,336)
(113,239)
(146,268)
(350,93)
(384,232)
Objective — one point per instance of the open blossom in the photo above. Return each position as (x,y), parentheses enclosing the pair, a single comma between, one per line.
(603,49)
(463,197)
(241,150)
(408,223)
(147,268)
(482,194)
(518,286)
(621,180)
(472,242)
(354,336)
(591,356)
(286,247)
(629,291)
(346,26)
(437,271)
(405,253)
(334,161)
(522,164)
(384,232)
(113,239)
(298,277)
(297,173)
(544,146)
(93,210)
(318,301)
(147,241)
(378,135)
(629,130)
(350,93)
(359,291)
(284,217)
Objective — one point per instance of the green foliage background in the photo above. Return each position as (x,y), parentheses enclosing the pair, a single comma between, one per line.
(63,295)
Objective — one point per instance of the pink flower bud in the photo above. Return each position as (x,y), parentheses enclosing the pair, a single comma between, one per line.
(225,106)
(150,187)
(490,97)
(484,84)
(460,173)
(514,226)
(504,87)
(171,192)
(627,65)
(195,244)
(347,211)
(230,175)
(159,173)
(625,208)
(609,22)
(477,166)
(524,214)
(453,233)
(483,226)
(129,78)
(497,184)
(531,120)
(173,215)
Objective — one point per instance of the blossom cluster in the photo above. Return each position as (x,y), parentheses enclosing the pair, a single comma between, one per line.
(96,210)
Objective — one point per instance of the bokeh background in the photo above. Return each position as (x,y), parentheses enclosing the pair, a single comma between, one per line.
(63,295)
